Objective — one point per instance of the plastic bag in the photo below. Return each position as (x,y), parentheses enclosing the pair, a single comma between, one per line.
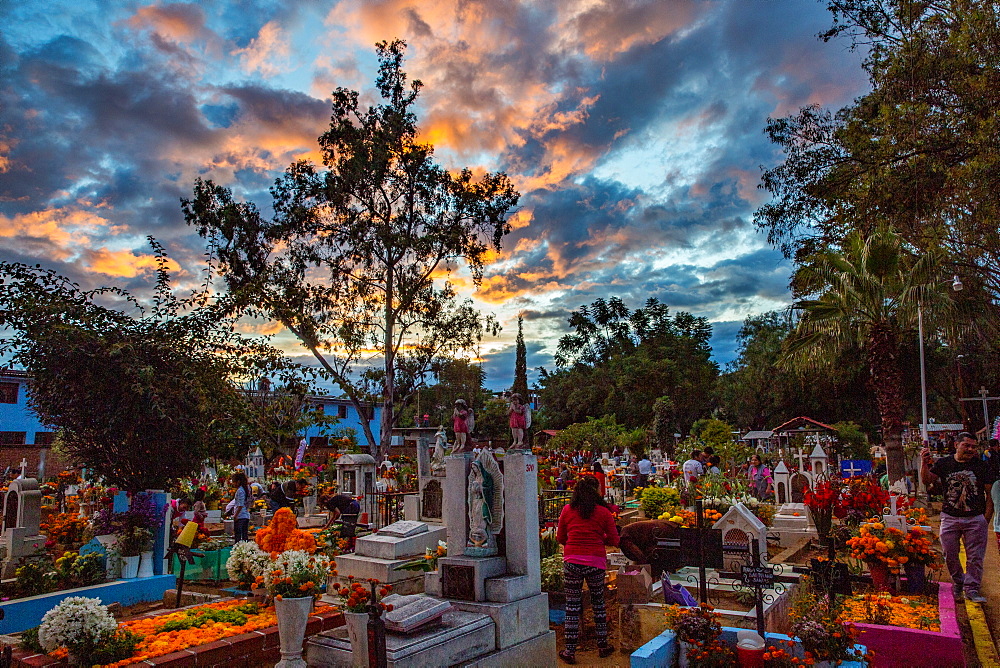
(677,595)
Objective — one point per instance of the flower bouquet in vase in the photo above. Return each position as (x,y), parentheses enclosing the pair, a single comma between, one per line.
(882,550)
(294,580)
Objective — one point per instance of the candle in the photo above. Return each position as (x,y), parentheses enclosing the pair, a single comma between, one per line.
(187,535)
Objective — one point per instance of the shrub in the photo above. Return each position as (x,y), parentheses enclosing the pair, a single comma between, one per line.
(655,500)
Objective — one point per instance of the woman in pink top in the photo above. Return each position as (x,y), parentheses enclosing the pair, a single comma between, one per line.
(585,527)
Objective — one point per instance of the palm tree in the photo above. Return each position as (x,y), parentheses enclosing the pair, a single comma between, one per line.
(868,294)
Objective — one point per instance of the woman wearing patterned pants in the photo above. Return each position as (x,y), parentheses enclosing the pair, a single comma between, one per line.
(586,526)
(573,577)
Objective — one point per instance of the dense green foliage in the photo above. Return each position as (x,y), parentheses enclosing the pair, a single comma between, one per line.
(128,385)
(918,153)
(619,362)
(520,385)
(759,392)
(597,435)
(866,296)
(355,260)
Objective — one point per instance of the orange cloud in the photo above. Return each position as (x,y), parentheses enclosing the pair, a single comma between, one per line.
(123,264)
(607,28)
(177,22)
(267,53)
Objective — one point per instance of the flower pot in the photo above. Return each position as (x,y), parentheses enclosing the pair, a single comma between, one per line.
(881,578)
(293,613)
(682,654)
(146,565)
(357,631)
(916,578)
(130,567)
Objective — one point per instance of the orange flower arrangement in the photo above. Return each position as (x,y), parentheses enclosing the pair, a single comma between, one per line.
(876,542)
(156,644)
(282,533)
(355,597)
(65,528)
(915,612)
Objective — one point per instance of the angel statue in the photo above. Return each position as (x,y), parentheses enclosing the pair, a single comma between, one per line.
(463,422)
(485,493)
(437,458)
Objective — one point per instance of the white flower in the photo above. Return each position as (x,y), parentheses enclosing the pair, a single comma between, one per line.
(295,561)
(247,561)
(73,622)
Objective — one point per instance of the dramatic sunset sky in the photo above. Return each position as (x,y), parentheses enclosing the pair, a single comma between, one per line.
(633,130)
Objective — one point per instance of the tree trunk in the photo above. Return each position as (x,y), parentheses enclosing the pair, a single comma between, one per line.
(886,377)
(388,405)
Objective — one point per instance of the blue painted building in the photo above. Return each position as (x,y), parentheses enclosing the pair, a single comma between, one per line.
(22,434)
(347,416)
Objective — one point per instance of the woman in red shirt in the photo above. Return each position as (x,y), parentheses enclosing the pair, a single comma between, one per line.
(585,527)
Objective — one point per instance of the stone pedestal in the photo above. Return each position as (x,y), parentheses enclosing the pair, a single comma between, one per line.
(459,638)
(394,547)
(465,577)
(793,521)
(500,616)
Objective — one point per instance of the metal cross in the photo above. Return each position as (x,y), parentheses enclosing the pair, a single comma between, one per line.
(983,397)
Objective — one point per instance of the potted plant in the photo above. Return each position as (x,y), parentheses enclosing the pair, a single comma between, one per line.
(293,581)
(355,599)
(699,631)
(132,542)
(881,548)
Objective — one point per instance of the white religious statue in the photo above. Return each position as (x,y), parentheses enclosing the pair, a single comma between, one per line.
(437,458)
(485,492)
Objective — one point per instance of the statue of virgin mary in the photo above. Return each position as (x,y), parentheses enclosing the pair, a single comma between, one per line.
(485,496)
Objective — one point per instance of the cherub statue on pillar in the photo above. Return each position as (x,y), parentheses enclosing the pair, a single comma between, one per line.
(463,422)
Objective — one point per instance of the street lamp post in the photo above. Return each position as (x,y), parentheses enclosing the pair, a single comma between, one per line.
(956,285)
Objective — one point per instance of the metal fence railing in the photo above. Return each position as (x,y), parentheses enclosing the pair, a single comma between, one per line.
(550,504)
(384,508)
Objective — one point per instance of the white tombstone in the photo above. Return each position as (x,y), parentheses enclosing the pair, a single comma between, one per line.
(782,490)
(22,514)
(741,527)
(356,477)
(255,465)
(820,462)
(792,522)
(893,519)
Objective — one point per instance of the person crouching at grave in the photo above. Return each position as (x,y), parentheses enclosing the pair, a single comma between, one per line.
(586,526)
(177,511)
(345,509)
(638,541)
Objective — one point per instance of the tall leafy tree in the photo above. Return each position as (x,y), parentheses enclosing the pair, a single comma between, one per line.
(520,362)
(140,394)
(919,152)
(619,362)
(866,295)
(355,258)
(758,391)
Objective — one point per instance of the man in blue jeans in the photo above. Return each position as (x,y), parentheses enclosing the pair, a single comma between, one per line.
(966,511)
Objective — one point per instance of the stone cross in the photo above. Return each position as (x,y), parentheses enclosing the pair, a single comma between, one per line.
(24,467)
(801,458)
